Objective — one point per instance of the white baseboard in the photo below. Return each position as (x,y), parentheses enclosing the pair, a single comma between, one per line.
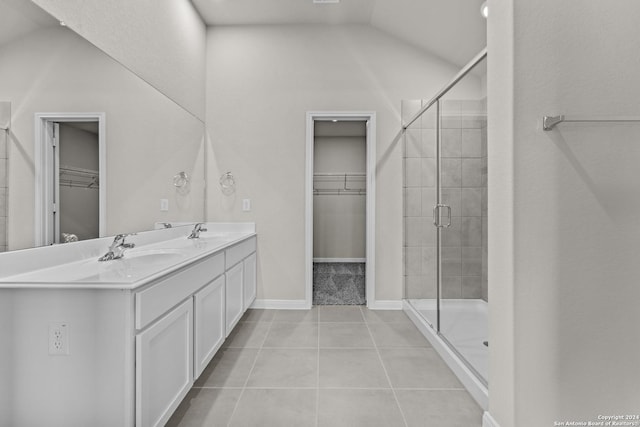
(386,305)
(488,421)
(281,304)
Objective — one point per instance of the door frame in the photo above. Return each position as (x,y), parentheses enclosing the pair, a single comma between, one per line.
(370,118)
(44,173)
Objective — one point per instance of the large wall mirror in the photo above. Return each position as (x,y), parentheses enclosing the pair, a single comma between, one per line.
(120,141)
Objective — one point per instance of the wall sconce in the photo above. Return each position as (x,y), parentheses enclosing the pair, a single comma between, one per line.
(182,182)
(227,184)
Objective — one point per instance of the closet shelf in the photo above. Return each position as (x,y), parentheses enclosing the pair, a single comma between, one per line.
(71,176)
(340,184)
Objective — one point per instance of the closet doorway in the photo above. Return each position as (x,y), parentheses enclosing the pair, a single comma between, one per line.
(70,176)
(340,187)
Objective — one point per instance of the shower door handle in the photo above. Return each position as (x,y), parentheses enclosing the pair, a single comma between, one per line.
(436,215)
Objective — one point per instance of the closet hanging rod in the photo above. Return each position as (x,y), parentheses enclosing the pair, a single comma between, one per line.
(72,183)
(336,174)
(549,122)
(335,192)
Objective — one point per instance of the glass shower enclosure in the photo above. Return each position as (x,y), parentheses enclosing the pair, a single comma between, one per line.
(445,215)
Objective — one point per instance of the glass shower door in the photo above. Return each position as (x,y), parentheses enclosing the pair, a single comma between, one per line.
(420,244)
(462,322)
(445,215)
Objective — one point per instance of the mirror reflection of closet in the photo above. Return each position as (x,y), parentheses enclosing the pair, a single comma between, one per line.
(77,183)
(48,69)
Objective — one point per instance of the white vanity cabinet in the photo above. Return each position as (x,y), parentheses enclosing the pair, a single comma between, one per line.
(141,330)
(172,342)
(249,283)
(234,296)
(237,280)
(214,298)
(210,326)
(164,365)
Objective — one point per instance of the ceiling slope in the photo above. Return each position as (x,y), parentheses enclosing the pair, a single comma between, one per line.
(282,12)
(453,30)
(20,17)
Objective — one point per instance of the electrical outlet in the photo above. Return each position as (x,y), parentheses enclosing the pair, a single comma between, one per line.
(246,205)
(164,205)
(58,338)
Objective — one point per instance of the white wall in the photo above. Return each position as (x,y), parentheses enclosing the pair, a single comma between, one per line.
(564,212)
(163,41)
(261,81)
(148,137)
(339,221)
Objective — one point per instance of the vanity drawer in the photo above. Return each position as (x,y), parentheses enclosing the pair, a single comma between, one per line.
(160,297)
(237,253)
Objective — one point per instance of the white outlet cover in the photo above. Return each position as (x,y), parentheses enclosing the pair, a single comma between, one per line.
(59,338)
(164,205)
(246,205)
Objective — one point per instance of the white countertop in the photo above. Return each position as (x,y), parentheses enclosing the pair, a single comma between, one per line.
(139,265)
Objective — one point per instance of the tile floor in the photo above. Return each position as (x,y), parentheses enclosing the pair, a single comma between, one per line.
(328,366)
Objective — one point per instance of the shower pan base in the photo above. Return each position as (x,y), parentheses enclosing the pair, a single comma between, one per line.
(464,326)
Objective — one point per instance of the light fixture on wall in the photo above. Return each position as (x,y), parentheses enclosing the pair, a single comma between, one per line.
(180,179)
(182,182)
(484,10)
(227,183)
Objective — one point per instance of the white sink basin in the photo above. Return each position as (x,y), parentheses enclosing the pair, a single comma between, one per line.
(153,256)
(134,265)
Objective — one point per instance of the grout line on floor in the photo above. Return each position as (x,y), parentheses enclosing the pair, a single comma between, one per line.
(430,389)
(244,387)
(317,423)
(352,322)
(288,348)
(384,368)
(328,388)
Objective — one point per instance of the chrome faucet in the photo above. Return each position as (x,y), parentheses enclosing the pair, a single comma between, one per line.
(167,225)
(117,248)
(195,233)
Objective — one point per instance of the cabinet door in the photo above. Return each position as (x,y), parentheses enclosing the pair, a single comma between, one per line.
(249,280)
(209,324)
(164,365)
(234,295)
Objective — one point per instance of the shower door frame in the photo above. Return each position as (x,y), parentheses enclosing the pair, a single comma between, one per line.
(476,384)
(370,246)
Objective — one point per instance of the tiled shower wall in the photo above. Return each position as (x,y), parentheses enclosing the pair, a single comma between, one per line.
(463,183)
(483,175)
(5,121)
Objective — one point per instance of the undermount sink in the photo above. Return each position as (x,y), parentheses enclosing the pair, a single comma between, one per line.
(153,256)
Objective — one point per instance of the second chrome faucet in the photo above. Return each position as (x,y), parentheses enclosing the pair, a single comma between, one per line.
(117,248)
(197,229)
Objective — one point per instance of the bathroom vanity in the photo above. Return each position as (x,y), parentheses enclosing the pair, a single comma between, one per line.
(120,342)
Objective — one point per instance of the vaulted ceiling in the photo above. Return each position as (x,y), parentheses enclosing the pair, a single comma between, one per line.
(453,30)
(19,17)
